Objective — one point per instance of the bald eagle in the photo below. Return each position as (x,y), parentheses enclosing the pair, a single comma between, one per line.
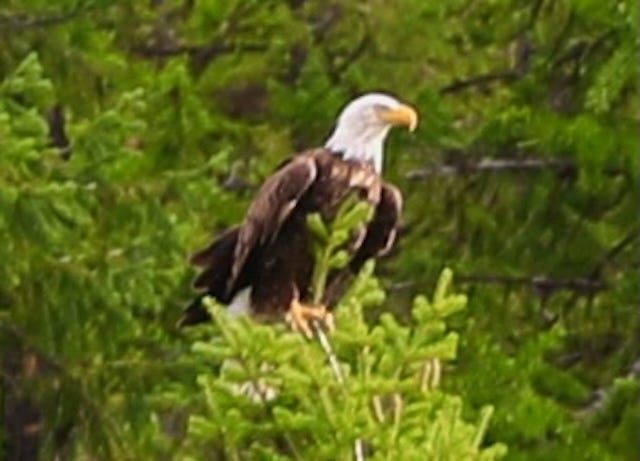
(263,267)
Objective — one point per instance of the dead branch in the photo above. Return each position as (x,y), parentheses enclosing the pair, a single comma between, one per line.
(614,252)
(209,52)
(337,65)
(495,165)
(542,284)
(22,21)
(563,167)
(483,79)
(523,52)
(352,57)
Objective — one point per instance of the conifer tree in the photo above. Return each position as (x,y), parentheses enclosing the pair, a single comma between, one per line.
(279,399)
(130,132)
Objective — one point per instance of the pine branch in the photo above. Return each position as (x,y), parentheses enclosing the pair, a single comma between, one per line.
(329,256)
(395,369)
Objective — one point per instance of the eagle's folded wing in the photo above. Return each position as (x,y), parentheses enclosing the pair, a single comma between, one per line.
(274,202)
(379,239)
(382,230)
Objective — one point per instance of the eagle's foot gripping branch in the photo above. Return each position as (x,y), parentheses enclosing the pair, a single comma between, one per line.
(301,316)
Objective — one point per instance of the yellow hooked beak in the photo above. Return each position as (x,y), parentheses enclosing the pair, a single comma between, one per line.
(402,115)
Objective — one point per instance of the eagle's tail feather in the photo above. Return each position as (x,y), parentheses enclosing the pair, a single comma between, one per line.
(194,313)
(208,256)
(216,259)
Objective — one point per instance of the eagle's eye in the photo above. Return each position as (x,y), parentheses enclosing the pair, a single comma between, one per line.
(377,113)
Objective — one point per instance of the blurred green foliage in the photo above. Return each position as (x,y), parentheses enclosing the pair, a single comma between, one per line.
(130,132)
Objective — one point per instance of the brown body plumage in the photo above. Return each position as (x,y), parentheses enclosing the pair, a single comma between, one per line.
(271,250)
(264,266)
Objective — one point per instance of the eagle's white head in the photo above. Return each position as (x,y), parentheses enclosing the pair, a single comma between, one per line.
(363,126)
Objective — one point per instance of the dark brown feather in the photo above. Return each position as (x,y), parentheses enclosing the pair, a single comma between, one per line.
(381,232)
(216,260)
(275,200)
(209,255)
(271,250)
(379,239)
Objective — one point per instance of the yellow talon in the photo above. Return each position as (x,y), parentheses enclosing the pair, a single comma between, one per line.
(299,317)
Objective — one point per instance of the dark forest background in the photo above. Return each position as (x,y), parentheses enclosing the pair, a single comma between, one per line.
(131,132)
